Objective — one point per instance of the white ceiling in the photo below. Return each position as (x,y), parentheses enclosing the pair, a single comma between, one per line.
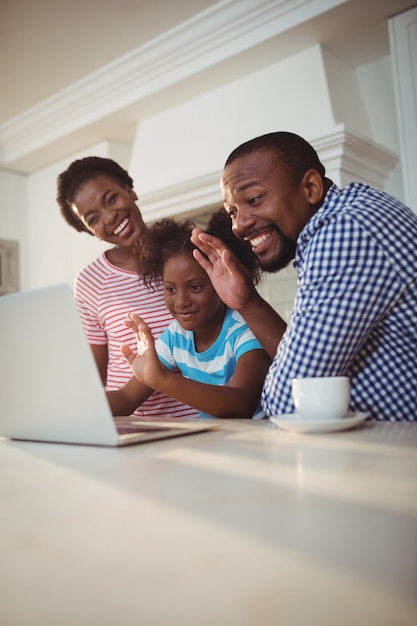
(48,45)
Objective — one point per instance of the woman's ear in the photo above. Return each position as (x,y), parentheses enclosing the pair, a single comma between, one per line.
(132,193)
(313,186)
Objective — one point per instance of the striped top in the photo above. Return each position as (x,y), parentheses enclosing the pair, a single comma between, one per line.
(217,364)
(104,294)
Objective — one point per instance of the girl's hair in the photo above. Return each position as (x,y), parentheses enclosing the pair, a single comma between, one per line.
(78,173)
(171,237)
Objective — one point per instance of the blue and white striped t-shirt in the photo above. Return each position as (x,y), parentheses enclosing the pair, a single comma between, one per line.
(217,364)
(355,313)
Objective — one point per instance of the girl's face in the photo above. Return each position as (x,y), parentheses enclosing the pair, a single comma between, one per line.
(189,294)
(109,211)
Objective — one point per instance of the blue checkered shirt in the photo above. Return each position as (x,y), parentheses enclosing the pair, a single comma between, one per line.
(355,313)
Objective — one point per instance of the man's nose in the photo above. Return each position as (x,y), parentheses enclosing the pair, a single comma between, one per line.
(242,220)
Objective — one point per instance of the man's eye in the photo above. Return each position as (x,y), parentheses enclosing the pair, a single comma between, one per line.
(253,200)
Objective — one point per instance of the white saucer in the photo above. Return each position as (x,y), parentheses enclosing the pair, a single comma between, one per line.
(295,423)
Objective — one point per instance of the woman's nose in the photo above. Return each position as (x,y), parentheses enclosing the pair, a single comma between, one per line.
(109,215)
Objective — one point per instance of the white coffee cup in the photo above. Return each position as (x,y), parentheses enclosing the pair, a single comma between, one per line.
(323,398)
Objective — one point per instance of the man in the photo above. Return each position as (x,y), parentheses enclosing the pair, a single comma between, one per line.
(355,312)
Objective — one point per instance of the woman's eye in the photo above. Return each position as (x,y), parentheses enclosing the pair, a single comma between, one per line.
(91,221)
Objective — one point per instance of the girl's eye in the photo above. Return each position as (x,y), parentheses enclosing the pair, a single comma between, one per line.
(112,198)
(195,287)
(169,290)
(231,211)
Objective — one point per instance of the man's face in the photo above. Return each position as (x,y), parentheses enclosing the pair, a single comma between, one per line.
(265,208)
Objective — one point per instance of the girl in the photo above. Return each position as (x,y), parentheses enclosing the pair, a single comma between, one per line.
(221,364)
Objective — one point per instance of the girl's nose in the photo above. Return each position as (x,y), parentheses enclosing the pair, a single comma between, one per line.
(182,298)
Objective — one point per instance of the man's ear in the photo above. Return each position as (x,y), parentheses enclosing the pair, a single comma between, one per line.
(313,186)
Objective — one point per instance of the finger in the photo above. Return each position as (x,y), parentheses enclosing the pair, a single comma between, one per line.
(135,322)
(207,243)
(127,353)
(204,262)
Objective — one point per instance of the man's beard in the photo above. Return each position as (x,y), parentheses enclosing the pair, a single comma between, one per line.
(285,255)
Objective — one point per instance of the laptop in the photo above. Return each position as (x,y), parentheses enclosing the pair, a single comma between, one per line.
(50,388)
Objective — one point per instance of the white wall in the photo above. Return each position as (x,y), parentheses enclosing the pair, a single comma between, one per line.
(312,93)
(332,106)
(195,138)
(403,43)
(13,217)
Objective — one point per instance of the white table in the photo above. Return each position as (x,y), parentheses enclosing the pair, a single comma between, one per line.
(245,526)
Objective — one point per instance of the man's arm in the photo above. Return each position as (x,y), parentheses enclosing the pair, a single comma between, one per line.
(234,286)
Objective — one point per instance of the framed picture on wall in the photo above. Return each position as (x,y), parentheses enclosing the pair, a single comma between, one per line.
(9,266)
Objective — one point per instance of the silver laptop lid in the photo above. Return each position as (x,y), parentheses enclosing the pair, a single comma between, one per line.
(50,387)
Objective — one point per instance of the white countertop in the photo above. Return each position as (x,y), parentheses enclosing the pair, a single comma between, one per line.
(246,526)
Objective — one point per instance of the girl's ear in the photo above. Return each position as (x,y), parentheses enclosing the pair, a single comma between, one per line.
(313,186)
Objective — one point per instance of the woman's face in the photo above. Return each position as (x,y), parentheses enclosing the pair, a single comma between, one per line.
(109,211)
(189,294)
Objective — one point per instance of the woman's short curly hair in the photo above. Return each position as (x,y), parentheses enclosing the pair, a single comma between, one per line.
(78,173)
(170,237)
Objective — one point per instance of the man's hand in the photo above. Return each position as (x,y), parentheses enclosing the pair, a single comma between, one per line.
(234,286)
(229,277)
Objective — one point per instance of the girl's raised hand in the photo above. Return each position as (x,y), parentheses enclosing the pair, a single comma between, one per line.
(145,365)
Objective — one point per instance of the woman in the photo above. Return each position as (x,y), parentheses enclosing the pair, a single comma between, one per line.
(96,196)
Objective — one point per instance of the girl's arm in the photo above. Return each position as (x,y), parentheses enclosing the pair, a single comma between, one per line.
(239,398)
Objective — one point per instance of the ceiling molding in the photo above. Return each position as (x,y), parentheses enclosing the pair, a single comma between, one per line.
(212,36)
(346,157)
(187,197)
(349,157)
